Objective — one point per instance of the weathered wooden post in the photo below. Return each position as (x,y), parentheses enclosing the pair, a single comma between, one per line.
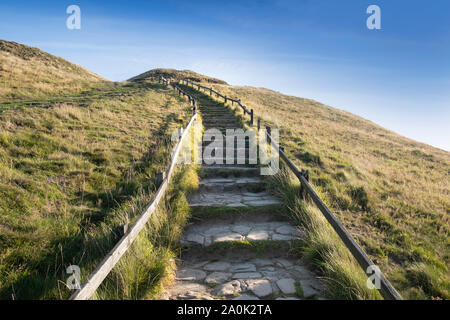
(121,230)
(226,99)
(210,91)
(259,124)
(160,176)
(269,131)
(305,174)
(251,117)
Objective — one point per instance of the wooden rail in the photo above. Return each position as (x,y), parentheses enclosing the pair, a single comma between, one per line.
(386,289)
(226,99)
(104,268)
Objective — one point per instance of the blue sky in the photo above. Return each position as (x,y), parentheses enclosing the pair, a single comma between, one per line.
(398,77)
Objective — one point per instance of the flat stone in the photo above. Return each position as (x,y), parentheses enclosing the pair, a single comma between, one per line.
(281,237)
(243,267)
(276,275)
(288,298)
(260,203)
(229,288)
(217,277)
(247,275)
(228,236)
(307,288)
(198,264)
(191,275)
(260,287)
(188,291)
(241,229)
(208,241)
(262,262)
(268,268)
(217,266)
(284,263)
(288,230)
(195,237)
(302,272)
(258,235)
(246,297)
(216,230)
(286,285)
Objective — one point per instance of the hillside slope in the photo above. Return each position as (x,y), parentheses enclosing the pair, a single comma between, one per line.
(72,172)
(392,193)
(27,73)
(176,75)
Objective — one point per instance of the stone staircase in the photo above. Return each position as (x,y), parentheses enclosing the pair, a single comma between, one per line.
(238,243)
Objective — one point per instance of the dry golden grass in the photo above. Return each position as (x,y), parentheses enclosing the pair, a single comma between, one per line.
(31,73)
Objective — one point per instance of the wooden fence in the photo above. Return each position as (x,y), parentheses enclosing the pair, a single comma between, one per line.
(226,99)
(104,268)
(386,289)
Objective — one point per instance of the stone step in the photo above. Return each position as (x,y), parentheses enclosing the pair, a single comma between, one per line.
(243,184)
(224,165)
(221,125)
(226,148)
(227,160)
(230,181)
(229,171)
(232,199)
(210,232)
(244,277)
(217,114)
(234,145)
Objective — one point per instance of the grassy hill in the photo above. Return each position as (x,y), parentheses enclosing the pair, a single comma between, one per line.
(73,170)
(27,73)
(391,193)
(176,75)
(79,156)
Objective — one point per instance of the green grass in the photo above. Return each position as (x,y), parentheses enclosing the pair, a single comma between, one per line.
(67,174)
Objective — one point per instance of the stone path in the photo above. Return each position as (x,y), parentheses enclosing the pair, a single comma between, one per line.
(237,246)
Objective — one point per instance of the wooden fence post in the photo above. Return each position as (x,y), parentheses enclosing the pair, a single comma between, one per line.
(251,117)
(226,99)
(160,176)
(259,124)
(269,131)
(305,174)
